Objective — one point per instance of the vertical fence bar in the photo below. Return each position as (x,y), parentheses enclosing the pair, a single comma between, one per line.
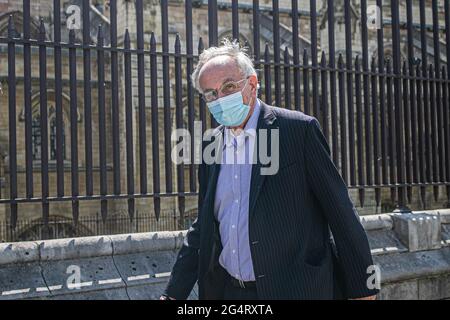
(190,91)
(166,93)
(424,54)
(137,221)
(407,132)
(43,126)
(400,162)
(324,97)
(306,82)
(348,62)
(287,79)
(212,36)
(382,92)
(256,39)
(359,129)
(342,118)
(447,34)
(73,126)
(12,120)
(141,97)
(58,99)
(212,23)
(27,99)
(267,75)
(115,96)
(366,89)
(391,131)
(446,105)
(235,19)
(87,96)
(409,27)
(433,127)
(276,50)
(97,224)
(296,55)
(440,154)
(421,134)
(179,123)
(332,65)
(55,228)
(314,57)
(447,86)
(414,128)
(101,121)
(427,111)
(376,138)
(155,129)
(201,102)
(412,96)
(129,124)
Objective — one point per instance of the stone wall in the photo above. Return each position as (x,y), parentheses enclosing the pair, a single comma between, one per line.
(411,250)
(131,266)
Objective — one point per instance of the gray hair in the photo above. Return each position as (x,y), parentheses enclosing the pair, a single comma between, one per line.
(228,48)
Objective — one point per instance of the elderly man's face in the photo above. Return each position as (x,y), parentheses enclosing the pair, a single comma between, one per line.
(222,69)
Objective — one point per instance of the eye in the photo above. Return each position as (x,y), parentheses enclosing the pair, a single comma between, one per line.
(228,87)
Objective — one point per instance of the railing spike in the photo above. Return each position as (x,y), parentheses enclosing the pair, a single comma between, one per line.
(99,32)
(11,27)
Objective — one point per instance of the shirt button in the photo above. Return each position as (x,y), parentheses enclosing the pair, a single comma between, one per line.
(236,200)
(233,226)
(234,251)
(236,176)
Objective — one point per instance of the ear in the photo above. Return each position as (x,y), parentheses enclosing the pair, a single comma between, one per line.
(253,83)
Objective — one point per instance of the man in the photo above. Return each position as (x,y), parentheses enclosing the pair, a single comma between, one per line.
(267,236)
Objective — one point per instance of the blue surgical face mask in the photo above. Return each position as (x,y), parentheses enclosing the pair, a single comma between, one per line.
(229,110)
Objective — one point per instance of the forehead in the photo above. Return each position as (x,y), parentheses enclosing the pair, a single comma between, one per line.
(217,70)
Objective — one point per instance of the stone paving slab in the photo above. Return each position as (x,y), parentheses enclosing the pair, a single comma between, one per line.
(22,281)
(96,273)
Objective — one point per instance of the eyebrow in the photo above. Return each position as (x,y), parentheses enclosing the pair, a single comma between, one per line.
(225,81)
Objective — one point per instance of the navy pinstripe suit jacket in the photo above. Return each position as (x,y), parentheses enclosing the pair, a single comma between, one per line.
(291,214)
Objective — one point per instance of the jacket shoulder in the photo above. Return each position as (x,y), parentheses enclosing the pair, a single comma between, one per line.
(294,118)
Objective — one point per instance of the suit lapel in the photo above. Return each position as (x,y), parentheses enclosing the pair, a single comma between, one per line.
(265,121)
(214,174)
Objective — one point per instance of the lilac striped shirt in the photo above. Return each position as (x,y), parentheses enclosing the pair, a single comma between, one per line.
(231,204)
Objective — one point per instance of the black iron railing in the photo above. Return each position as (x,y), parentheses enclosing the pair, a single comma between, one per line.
(116,223)
(387,120)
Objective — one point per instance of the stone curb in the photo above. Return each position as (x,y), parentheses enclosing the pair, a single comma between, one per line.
(86,247)
(109,245)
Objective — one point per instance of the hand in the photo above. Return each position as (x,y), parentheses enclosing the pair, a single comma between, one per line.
(374,297)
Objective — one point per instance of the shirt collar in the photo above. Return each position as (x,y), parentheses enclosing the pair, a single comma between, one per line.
(249,129)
